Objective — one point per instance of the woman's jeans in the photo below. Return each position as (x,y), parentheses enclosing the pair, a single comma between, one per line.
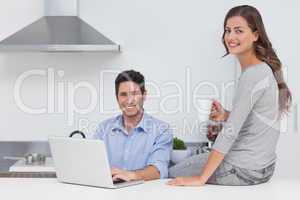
(225,174)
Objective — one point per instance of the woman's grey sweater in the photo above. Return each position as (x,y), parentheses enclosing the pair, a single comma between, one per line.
(250,134)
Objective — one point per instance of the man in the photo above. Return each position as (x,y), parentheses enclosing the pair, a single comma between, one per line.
(138,145)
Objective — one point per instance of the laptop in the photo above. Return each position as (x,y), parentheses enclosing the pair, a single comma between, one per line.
(83,162)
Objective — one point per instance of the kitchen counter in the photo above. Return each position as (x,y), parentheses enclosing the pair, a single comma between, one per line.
(21,166)
(49,188)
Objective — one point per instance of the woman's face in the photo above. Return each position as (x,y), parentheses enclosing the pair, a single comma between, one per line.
(238,36)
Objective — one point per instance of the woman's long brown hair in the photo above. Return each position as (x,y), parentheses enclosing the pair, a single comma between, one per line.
(263,50)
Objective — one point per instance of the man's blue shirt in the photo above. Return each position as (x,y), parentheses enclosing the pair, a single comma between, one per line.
(149,143)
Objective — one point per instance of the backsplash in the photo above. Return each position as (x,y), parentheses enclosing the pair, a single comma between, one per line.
(20,149)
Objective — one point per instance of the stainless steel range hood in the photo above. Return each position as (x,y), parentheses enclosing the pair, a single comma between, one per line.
(58,33)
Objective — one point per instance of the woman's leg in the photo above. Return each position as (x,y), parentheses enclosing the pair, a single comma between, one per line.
(191,166)
(225,174)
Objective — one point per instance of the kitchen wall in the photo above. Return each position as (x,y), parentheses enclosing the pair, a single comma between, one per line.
(175,44)
(15,14)
(164,38)
(55,93)
(60,8)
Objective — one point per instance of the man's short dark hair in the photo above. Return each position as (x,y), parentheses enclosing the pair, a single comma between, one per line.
(130,75)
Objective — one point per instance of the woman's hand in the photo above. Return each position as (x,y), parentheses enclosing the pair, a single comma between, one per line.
(187,181)
(213,131)
(217,112)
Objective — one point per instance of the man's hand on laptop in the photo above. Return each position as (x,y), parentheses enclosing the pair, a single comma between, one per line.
(123,174)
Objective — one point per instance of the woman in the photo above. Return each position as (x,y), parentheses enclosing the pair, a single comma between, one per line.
(244,152)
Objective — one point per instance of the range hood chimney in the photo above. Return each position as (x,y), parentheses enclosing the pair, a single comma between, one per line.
(59,30)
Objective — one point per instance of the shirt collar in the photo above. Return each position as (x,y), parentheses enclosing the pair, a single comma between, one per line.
(143,125)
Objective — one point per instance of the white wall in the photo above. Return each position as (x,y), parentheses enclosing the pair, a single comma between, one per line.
(15,14)
(168,42)
(60,8)
(154,43)
(175,44)
(188,33)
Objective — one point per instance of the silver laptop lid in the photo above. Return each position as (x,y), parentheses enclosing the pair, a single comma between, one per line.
(81,161)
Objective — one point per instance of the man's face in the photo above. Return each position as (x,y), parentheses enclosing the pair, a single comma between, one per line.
(130,98)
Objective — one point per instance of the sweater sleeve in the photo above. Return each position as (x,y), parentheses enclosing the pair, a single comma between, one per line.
(251,86)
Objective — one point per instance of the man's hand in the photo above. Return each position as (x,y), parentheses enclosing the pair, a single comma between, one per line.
(187,181)
(123,174)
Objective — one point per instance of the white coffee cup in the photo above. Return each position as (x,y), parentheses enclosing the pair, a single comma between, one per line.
(204,108)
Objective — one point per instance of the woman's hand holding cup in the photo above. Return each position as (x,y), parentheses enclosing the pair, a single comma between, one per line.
(217,114)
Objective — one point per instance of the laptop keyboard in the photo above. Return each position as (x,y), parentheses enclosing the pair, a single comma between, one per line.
(27,175)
